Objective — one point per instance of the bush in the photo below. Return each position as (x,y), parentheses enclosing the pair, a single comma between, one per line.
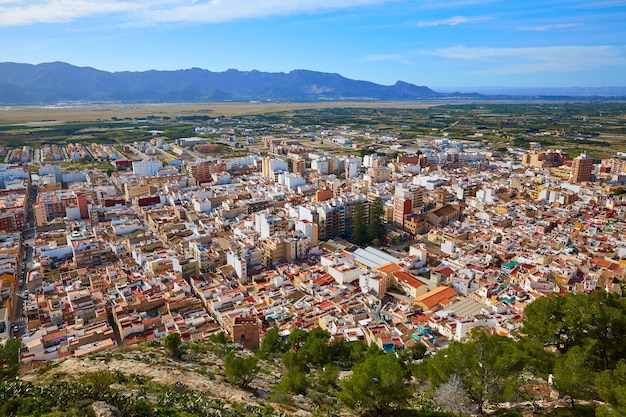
(173,343)
(240,371)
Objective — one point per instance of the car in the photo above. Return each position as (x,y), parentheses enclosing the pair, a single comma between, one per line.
(16,328)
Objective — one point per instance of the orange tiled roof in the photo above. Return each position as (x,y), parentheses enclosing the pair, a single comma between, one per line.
(434,297)
(388,268)
(410,279)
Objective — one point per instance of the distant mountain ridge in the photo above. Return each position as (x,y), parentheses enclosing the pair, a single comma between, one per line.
(49,83)
(579,92)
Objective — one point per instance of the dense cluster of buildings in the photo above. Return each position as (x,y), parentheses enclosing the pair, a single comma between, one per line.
(244,244)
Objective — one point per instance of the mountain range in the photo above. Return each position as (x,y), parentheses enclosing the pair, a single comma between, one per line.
(59,82)
(54,82)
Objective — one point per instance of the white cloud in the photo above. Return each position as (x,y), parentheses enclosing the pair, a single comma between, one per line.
(216,11)
(439,4)
(534,59)
(518,60)
(451,21)
(14,13)
(541,53)
(543,28)
(19,12)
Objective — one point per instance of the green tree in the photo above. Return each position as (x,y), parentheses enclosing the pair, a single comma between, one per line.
(376,229)
(315,348)
(219,338)
(294,381)
(240,371)
(359,227)
(488,367)
(415,352)
(280,394)
(573,375)
(221,342)
(358,351)
(100,380)
(318,333)
(339,350)
(611,386)
(296,339)
(580,320)
(9,359)
(539,360)
(544,322)
(329,375)
(378,384)
(603,323)
(347,354)
(295,360)
(271,345)
(173,343)
(317,352)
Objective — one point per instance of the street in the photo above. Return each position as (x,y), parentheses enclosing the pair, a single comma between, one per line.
(27,263)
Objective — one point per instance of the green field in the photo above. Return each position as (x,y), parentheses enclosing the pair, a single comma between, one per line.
(598,128)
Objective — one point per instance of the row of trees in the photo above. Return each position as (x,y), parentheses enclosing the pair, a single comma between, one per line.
(368,227)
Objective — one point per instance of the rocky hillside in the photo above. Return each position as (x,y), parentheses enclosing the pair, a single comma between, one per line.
(299,376)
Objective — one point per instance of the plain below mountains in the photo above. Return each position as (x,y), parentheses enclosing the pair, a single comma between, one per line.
(50,83)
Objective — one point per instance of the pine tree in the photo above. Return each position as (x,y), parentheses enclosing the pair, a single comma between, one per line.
(376,230)
(359,227)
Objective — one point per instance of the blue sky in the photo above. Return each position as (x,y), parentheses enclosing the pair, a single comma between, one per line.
(438,43)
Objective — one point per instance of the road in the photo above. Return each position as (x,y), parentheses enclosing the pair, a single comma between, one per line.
(28,241)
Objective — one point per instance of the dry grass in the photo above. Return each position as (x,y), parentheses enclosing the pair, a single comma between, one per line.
(139,111)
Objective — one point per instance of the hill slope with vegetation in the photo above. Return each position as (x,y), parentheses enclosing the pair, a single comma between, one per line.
(577,338)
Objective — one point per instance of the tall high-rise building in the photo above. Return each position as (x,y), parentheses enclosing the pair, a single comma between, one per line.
(270,166)
(408,198)
(298,166)
(203,169)
(582,168)
(401,207)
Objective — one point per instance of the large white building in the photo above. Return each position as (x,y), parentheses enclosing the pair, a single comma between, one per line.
(270,166)
(74,176)
(321,165)
(12,171)
(291,180)
(372,161)
(240,162)
(52,169)
(147,167)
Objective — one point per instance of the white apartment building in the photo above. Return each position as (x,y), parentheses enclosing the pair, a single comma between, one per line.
(147,167)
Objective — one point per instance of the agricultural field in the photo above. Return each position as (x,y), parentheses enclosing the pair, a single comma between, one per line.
(597,128)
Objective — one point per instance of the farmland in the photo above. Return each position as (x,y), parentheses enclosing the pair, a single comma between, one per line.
(598,128)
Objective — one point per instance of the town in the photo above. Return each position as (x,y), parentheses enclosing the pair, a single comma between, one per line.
(367,236)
